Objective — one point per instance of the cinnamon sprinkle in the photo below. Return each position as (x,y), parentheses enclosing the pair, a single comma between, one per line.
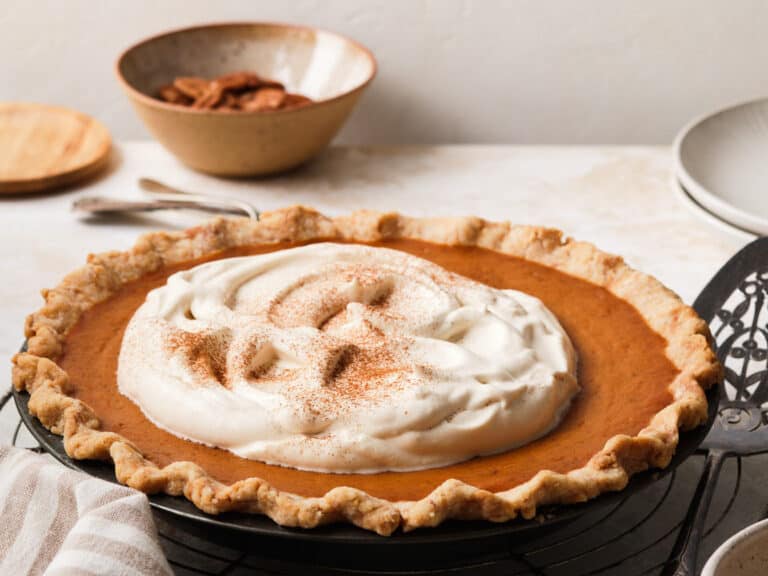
(205,352)
(349,364)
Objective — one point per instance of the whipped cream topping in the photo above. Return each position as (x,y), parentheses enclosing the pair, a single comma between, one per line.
(346,358)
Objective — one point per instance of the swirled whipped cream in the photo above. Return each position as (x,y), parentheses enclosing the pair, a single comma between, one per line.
(346,358)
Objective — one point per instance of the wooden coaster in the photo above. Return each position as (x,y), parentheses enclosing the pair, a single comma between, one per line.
(44,147)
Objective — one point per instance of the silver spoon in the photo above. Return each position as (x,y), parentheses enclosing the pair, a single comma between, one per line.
(166,198)
(164,191)
(102,205)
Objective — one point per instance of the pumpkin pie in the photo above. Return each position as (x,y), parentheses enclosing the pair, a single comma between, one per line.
(372,368)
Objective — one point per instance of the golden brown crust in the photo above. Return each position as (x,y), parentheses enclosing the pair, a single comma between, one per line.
(609,469)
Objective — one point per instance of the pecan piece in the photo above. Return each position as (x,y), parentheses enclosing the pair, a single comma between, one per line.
(295,101)
(191,86)
(264,99)
(229,103)
(239,81)
(210,98)
(171,94)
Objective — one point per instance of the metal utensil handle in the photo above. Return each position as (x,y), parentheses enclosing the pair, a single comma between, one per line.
(97,205)
(686,549)
(151,185)
(164,191)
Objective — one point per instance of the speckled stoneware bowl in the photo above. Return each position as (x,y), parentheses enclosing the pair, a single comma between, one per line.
(327,67)
(743,554)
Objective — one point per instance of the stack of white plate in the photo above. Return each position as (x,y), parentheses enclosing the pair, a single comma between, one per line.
(721,167)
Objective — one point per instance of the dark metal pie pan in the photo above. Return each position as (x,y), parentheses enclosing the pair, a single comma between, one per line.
(233,527)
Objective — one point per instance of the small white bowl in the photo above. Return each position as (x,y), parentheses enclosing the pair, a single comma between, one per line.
(743,554)
(722,161)
(702,213)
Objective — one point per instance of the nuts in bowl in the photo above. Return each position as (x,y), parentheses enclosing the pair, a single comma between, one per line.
(237,91)
(245,99)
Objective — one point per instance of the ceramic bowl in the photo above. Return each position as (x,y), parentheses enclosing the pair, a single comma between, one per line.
(327,67)
(722,161)
(744,554)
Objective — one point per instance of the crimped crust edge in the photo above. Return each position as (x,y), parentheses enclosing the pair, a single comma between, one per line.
(688,349)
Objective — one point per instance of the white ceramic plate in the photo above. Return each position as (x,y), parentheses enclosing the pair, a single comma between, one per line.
(703,214)
(743,554)
(722,161)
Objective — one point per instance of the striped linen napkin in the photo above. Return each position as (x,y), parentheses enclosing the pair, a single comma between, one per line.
(56,521)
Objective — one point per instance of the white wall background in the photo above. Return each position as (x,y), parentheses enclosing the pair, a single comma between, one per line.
(517,71)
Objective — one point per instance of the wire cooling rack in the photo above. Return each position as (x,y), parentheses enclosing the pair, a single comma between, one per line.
(631,537)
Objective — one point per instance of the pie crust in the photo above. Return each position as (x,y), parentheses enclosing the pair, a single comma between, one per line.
(37,372)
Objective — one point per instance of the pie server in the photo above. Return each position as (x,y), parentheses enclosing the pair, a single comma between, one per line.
(735,304)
